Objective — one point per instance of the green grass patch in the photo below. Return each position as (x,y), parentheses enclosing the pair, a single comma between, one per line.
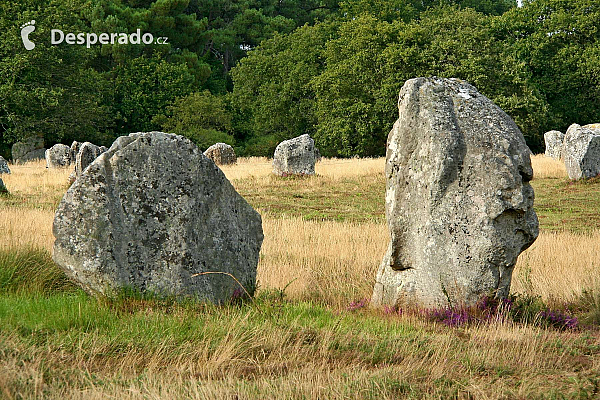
(559,203)
(28,270)
(567,205)
(356,199)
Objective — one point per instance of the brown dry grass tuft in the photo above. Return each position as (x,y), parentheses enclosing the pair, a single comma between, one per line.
(559,266)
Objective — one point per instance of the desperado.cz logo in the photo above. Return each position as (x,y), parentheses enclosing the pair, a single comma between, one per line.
(89,39)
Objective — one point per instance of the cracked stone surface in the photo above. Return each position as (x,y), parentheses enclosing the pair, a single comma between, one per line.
(459,204)
(151,212)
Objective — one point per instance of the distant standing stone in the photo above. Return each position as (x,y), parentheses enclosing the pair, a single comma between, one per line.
(581,151)
(30,149)
(88,152)
(459,204)
(58,156)
(3,189)
(554,144)
(75,146)
(4,166)
(295,157)
(151,212)
(221,154)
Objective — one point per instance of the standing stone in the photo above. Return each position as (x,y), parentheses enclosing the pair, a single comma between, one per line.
(58,156)
(581,151)
(459,204)
(295,157)
(592,126)
(75,146)
(151,212)
(554,144)
(30,149)
(88,152)
(3,189)
(221,154)
(4,166)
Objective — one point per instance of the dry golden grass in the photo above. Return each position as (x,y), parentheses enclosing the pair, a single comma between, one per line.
(335,168)
(559,266)
(25,227)
(32,178)
(332,261)
(497,361)
(546,167)
(263,355)
(302,256)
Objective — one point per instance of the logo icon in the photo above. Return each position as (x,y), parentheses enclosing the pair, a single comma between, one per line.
(26,29)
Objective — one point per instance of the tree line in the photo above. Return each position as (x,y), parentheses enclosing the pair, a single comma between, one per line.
(254,72)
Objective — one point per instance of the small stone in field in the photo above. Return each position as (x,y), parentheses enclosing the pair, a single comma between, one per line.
(581,151)
(221,154)
(295,157)
(58,156)
(554,144)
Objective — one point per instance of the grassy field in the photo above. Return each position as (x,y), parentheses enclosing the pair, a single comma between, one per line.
(308,333)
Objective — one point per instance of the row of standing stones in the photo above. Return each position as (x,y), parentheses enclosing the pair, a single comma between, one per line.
(153,213)
(579,148)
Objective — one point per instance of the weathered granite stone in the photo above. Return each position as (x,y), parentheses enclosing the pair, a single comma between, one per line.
(3,189)
(88,152)
(58,156)
(75,146)
(221,154)
(581,151)
(29,150)
(554,144)
(4,166)
(295,157)
(592,126)
(151,212)
(459,204)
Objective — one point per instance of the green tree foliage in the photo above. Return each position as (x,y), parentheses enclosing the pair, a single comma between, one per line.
(367,65)
(556,44)
(277,69)
(143,88)
(273,87)
(51,90)
(408,10)
(340,81)
(201,116)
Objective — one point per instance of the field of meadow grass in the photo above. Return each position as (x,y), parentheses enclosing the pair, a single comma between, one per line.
(308,333)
